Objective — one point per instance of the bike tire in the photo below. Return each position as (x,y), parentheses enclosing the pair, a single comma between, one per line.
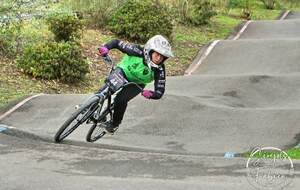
(95,133)
(97,130)
(87,109)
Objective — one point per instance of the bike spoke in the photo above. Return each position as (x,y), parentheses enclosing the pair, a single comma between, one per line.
(76,119)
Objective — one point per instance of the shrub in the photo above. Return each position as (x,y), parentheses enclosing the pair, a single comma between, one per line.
(245,5)
(179,10)
(140,20)
(292,3)
(36,31)
(247,10)
(9,39)
(183,9)
(64,26)
(269,4)
(202,11)
(54,60)
(95,12)
(235,3)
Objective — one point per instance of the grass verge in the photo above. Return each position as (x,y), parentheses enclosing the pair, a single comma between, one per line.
(293,153)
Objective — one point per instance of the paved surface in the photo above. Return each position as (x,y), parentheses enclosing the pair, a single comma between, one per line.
(211,120)
(35,165)
(244,95)
(253,57)
(293,15)
(273,29)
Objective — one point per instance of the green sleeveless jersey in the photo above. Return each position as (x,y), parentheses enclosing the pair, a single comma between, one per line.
(135,70)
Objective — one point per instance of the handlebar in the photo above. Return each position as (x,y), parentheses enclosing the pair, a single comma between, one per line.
(107,59)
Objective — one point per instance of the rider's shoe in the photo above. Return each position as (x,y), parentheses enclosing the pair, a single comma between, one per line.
(103,120)
(111,128)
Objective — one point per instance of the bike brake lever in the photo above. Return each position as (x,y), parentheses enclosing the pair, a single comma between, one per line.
(108,60)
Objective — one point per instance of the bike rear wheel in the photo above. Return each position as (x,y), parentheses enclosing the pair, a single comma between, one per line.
(97,130)
(77,118)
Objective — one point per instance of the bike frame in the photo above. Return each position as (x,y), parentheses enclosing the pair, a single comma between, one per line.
(108,90)
(92,109)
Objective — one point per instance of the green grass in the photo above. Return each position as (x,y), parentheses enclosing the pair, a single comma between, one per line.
(293,153)
(14,85)
(189,39)
(257,14)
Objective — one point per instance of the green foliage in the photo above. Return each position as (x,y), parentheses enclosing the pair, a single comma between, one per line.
(292,3)
(182,7)
(179,10)
(54,60)
(95,12)
(235,3)
(139,20)
(15,15)
(269,4)
(64,26)
(245,5)
(35,30)
(193,12)
(247,10)
(201,12)
(9,39)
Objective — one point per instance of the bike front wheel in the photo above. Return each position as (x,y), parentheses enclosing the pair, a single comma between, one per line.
(97,130)
(77,118)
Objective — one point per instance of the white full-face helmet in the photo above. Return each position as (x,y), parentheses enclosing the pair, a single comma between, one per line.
(160,45)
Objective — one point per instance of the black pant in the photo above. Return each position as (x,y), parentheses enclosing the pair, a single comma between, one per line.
(121,100)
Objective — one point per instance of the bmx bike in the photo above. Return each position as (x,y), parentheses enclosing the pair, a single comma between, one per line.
(97,110)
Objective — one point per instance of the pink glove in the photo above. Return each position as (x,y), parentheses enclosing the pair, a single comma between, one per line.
(103,51)
(147,94)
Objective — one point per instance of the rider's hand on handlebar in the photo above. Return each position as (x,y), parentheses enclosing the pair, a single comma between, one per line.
(147,94)
(103,51)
